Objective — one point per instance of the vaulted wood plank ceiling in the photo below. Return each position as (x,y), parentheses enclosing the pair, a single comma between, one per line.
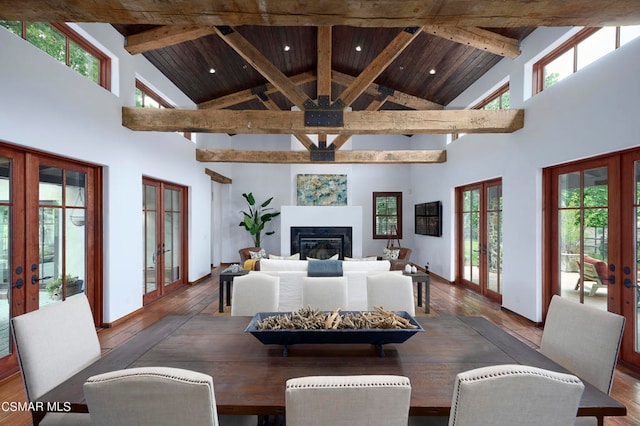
(322,72)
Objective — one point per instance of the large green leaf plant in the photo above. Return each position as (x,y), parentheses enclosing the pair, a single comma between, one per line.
(257,217)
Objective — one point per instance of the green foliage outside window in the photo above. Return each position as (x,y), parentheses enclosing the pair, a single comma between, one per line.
(48,39)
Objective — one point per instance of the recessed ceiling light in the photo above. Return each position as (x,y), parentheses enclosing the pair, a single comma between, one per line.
(432,71)
(401,68)
(212,71)
(287,48)
(358,48)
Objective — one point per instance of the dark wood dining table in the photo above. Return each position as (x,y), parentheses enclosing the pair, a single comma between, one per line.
(249,377)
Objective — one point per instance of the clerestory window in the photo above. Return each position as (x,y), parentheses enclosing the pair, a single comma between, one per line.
(584,48)
(61,42)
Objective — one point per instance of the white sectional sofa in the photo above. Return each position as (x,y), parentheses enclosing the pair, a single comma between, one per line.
(291,273)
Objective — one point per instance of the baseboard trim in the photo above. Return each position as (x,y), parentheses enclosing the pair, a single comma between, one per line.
(201,279)
(121,319)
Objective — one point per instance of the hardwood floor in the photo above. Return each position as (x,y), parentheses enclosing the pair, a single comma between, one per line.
(203,297)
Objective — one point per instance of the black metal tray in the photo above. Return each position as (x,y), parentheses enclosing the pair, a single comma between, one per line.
(370,336)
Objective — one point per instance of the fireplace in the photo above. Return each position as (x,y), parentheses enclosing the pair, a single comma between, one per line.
(321,242)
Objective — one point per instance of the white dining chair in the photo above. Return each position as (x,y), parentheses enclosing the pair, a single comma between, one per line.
(585,341)
(253,293)
(324,293)
(507,395)
(361,400)
(392,291)
(155,396)
(53,343)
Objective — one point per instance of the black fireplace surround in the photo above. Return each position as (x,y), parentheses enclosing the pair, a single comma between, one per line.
(321,242)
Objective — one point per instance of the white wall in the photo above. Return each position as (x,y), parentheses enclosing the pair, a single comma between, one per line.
(47,106)
(591,112)
(279,181)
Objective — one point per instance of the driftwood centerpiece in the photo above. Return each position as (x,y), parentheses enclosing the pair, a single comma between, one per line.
(311,326)
(313,319)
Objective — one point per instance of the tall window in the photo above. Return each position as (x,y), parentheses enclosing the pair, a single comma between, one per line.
(67,46)
(585,47)
(147,98)
(495,101)
(387,215)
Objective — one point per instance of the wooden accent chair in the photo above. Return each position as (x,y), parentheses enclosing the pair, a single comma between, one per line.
(403,258)
(348,400)
(595,270)
(52,344)
(245,254)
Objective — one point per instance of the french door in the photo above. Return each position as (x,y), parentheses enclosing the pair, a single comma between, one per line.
(593,222)
(163,215)
(479,237)
(49,234)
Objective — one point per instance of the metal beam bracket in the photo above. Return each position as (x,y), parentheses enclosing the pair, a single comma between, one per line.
(260,92)
(224,29)
(324,114)
(322,152)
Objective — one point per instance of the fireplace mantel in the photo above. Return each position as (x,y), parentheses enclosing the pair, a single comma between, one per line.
(321,216)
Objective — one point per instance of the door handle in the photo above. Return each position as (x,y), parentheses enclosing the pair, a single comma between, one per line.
(35,279)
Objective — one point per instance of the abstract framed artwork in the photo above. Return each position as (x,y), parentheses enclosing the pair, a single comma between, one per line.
(322,190)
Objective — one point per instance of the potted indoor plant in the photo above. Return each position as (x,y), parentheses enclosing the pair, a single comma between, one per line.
(257,216)
(54,287)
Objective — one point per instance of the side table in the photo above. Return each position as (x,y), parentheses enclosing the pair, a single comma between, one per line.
(421,278)
(226,279)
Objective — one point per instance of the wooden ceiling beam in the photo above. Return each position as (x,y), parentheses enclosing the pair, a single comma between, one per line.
(167,35)
(249,94)
(379,64)
(258,61)
(339,78)
(290,122)
(324,62)
(217,177)
(374,105)
(477,37)
(303,157)
(400,98)
(302,138)
(358,13)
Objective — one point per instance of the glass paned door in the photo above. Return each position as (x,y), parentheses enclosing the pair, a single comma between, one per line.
(630,253)
(48,233)
(471,235)
(61,233)
(594,224)
(7,252)
(151,246)
(480,237)
(494,238)
(172,236)
(163,232)
(583,220)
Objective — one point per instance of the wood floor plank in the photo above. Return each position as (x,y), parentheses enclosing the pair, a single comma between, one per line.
(446,299)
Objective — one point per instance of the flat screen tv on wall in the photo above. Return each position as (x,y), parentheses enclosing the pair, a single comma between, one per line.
(429,218)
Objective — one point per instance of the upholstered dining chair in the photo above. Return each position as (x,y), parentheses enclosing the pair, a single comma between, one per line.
(155,396)
(585,341)
(507,395)
(52,344)
(324,293)
(347,400)
(392,291)
(255,292)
